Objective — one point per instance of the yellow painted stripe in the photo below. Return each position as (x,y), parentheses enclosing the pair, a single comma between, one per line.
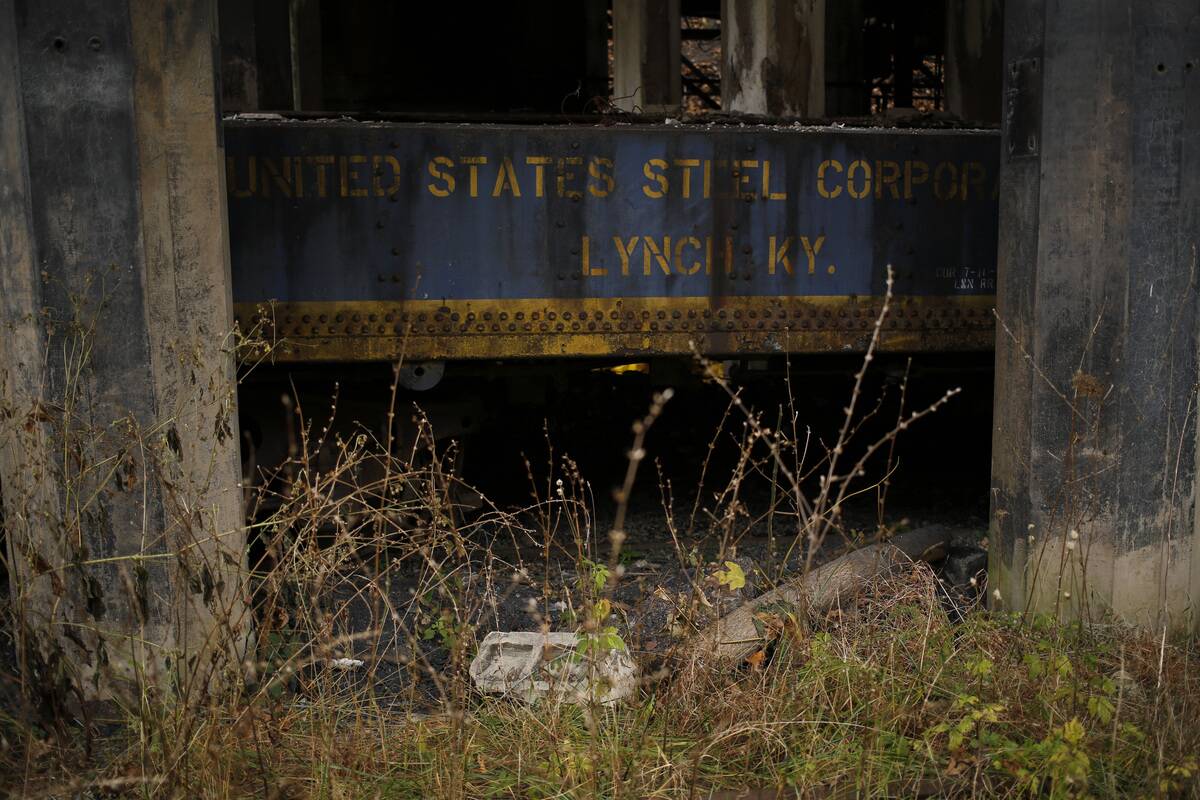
(623,327)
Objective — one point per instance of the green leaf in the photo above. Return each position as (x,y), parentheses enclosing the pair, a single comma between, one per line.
(981,667)
(1101,708)
(594,574)
(732,576)
(1034,665)
(601,609)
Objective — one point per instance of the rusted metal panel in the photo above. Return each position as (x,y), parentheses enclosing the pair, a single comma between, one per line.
(620,239)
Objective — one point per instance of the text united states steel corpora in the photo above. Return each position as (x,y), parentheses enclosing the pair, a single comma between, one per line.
(367,241)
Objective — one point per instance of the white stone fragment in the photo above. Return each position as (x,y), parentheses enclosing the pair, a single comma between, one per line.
(531,666)
(346,663)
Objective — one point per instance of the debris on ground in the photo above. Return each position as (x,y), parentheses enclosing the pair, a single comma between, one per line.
(346,663)
(531,666)
(741,634)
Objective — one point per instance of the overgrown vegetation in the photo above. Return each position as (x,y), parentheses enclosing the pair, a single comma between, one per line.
(897,703)
(372,581)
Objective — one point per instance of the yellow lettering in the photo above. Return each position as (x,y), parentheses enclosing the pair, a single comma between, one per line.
(601,169)
(945,189)
(822,189)
(322,163)
(973,174)
(915,173)
(779,255)
(741,180)
(473,163)
(251,176)
(506,177)
(766,184)
(887,173)
(588,270)
(441,175)
(694,267)
(349,176)
(650,248)
(565,175)
(865,168)
(659,178)
(811,249)
(624,252)
(686,165)
(539,164)
(377,163)
(271,174)
(729,256)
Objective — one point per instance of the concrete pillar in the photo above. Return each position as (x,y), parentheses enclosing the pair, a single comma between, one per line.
(118,430)
(1095,438)
(646,66)
(773,57)
(974,58)
(846,92)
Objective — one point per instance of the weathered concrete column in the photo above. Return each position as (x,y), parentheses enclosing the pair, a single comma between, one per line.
(974,52)
(773,57)
(646,68)
(1095,439)
(118,444)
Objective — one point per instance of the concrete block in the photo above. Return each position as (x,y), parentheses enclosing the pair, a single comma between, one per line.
(532,666)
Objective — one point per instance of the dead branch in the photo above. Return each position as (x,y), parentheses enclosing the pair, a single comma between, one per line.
(736,636)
